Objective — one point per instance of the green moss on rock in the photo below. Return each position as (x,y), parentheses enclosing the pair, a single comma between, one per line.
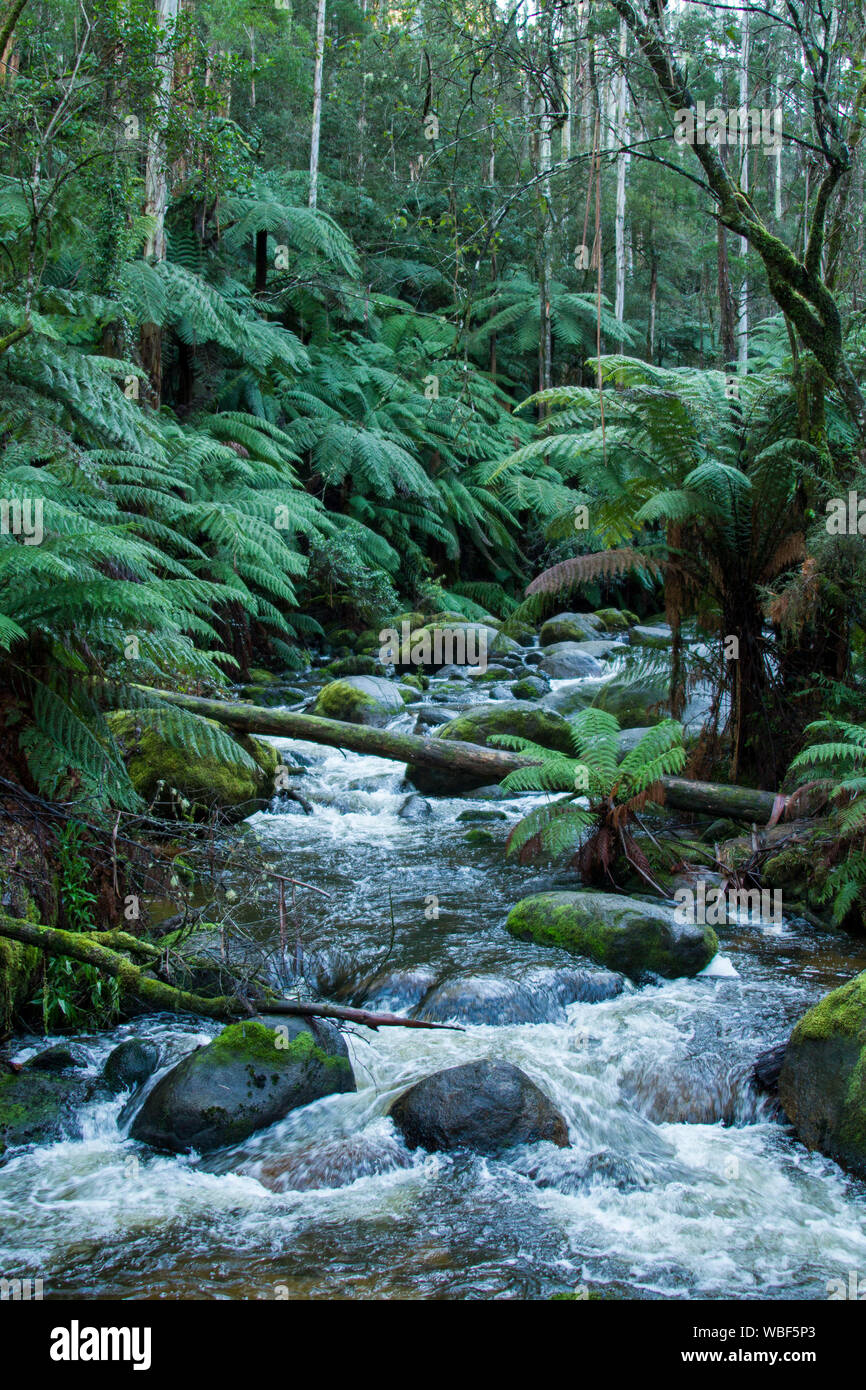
(822,1085)
(156,768)
(632,937)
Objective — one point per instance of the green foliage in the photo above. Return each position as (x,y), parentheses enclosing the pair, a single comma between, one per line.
(836,762)
(614,789)
(74,995)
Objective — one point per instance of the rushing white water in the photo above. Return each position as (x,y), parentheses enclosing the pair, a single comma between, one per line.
(678,1181)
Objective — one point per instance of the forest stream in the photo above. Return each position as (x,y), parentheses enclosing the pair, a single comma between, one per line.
(681,1181)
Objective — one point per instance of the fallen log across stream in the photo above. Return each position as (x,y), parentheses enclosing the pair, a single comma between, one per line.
(486,764)
(92,948)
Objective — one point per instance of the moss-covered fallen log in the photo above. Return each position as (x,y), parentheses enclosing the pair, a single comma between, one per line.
(486,764)
(155,994)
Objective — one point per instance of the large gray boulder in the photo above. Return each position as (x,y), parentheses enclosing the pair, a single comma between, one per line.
(486,1106)
(249,1077)
(568,661)
(624,934)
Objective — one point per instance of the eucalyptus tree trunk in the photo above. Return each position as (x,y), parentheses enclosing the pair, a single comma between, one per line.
(156,184)
(545,163)
(743,317)
(317,103)
(622,136)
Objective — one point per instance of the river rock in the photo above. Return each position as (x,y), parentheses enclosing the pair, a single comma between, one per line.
(497,1001)
(569,627)
(415,808)
(486,1106)
(655,638)
(569,661)
(632,699)
(61,1057)
(333,1164)
(626,935)
(822,1083)
(369,700)
(767,1068)
(130,1064)
(39,1107)
(246,1079)
(529,688)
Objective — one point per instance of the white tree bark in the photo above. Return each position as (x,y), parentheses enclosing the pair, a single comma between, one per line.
(156,169)
(622,159)
(317,103)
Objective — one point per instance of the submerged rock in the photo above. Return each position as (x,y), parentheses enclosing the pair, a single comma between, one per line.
(249,1077)
(415,808)
(822,1083)
(61,1057)
(633,937)
(369,700)
(490,999)
(486,1106)
(333,1164)
(130,1064)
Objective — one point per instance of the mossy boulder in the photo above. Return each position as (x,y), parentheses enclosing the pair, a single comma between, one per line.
(529,688)
(822,1084)
(615,619)
(632,937)
(369,700)
(39,1107)
(485,1106)
(249,1077)
(354,666)
(179,783)
(480,724)
(569,627)
(520,632)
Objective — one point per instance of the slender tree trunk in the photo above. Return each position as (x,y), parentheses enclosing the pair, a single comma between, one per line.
(727,316)
(317,102)
(651,327)
(156,187)
(743,318)
(622,135)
